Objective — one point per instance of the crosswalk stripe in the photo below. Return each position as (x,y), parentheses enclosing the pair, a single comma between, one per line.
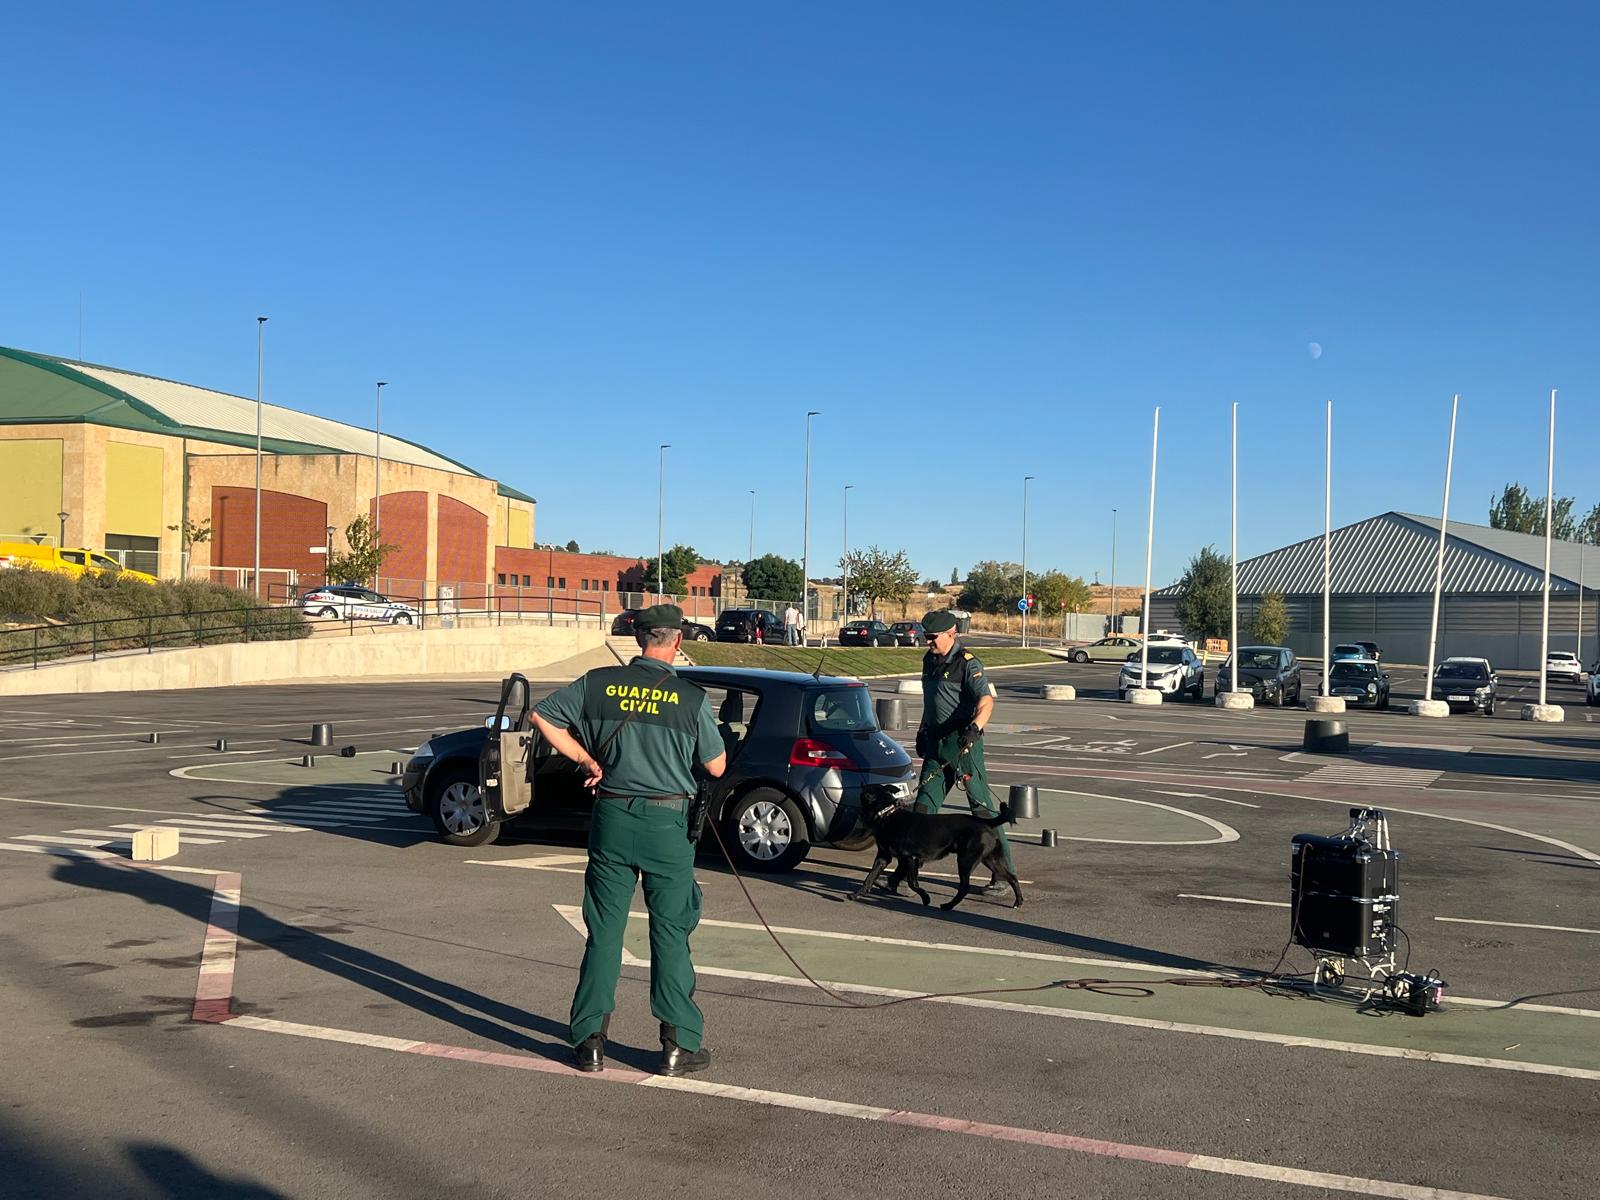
(128,837)
(1374,775)
(55,839)
(200,827)
(63,851)
(235,823)
(342,817)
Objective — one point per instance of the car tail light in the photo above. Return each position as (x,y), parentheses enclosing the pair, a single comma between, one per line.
(808,752)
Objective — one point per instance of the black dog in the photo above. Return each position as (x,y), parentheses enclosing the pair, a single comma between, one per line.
(916,838)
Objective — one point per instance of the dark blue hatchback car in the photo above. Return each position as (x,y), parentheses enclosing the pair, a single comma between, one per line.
(800,747)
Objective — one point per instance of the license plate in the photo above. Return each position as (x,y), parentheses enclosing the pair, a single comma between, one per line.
(1461,699)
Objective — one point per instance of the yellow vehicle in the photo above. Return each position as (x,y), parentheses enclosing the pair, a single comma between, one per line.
(65,560)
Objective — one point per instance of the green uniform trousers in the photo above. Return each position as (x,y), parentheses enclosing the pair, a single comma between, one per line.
(944,767)
(629,841)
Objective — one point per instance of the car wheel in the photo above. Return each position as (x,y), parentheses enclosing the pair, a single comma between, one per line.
(765,832)
(456,807)
(1079,656)
(1488,709)
(702,636)
(402,618)
(327,612)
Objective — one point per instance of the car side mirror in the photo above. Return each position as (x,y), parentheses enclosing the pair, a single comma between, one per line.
(502,723)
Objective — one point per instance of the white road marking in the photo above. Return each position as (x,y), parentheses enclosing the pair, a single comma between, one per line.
(1516,925)
(1159,749)
(63,851)
(1225,833)
(1203,796)
(127,838)
(560,863)
(1224,754)
(1233,900)
(201,828)
(56,840)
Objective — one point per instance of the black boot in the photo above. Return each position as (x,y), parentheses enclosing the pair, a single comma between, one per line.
(590,1054)
(675,1060)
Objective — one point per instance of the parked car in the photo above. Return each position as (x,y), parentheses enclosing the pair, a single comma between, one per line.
(1466,683)
(1174,670)
(1359,681)
(799,750)
(909,633)
(350,602)
(741,625)
(1563,664)
(1107,649)
(1375,654)
(693,631)
(1271,674)
(71,561)
(867,633)
(1347,650)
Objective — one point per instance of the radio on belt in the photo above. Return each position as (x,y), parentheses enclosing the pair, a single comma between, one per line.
(1344,896)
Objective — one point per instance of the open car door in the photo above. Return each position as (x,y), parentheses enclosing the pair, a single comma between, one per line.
(506,762)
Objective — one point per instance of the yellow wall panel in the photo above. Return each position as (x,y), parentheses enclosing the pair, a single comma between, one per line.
(500,527)
(133,489)
(31,495)
(521,532)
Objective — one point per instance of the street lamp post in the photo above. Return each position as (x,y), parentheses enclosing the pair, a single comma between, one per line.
(661,493)
(1549,534)
(750,553)
(377,469)
(61,536)
(1116,620)
(1149,551)
(1233,557)
(805,530)
(845,561)
(1327,552)
(255,579)
(1025,479)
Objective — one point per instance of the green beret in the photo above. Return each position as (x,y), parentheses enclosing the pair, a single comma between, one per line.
(660,616)
(938,622)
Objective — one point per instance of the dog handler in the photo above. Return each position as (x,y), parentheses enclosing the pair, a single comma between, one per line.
(957,702)
(649,728)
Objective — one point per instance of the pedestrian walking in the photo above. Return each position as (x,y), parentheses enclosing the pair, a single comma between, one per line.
(791,625)
(957,702)
(637,732)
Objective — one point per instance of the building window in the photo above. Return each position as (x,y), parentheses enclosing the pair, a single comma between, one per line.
(501,579)
(605,585)
(549,581)
(563,584)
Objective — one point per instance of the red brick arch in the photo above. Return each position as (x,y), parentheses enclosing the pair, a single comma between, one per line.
(290,526)
(463,555)
(405,524)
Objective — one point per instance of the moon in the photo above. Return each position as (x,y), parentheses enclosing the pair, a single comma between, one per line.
(1315,349)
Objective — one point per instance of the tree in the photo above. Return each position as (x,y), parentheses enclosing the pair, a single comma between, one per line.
(955,576)
(931,584)
(1516,509)
(772,577)
(1204,595)
(572,547)
(1054,592)
(1589,527)
(364,558)
(1271,625)
(192,535)
(878,575)
(992,587)
(677,565)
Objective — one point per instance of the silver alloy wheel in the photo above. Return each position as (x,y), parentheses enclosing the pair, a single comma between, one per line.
(461,808)
(764,831)
(402,618)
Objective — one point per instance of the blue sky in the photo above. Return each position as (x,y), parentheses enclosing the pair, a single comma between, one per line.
(985,241)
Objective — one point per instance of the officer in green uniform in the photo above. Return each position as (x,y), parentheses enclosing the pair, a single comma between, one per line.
(957,702)
(637,732)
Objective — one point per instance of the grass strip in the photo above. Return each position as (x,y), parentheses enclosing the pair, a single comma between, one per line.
(836,660)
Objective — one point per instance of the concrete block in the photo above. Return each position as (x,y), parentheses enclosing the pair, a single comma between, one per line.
(1428,708)
(1143,696)
(1060,691)
(1241,701)
(154,844)
(1325,704)
(909,687)
(1548,713)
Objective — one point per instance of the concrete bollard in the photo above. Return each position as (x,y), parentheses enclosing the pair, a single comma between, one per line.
(397,767)
(1428,708)
(1239,701)
(891,712)
(909,687)
(1325,704)
(154,844)
(220,744)
(1047,837)
(322,734)
(1060,691)
(1143,696)
(1548,713)
(1024,801)
(308,760)
(153,738)
(1326,737)
(347,751)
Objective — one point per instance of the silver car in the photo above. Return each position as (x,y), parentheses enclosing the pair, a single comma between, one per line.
(347,602)
(1173,670)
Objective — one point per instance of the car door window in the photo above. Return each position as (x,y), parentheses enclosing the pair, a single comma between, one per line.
(72,556)
(734,710)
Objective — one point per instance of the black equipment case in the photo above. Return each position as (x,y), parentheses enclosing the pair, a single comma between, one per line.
(1344,895)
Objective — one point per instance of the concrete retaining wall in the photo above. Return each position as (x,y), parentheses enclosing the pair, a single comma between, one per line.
(397,654)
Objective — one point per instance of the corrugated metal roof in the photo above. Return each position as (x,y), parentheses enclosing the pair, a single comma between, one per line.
(1394,554)
(205,409)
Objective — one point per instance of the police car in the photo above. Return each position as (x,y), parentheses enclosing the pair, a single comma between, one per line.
(349,602)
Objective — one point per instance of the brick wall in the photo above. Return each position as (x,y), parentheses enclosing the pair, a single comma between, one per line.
(290,526)
(405,524)
(589,575)
(463,536)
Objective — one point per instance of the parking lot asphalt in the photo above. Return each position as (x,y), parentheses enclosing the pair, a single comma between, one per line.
(398,1006)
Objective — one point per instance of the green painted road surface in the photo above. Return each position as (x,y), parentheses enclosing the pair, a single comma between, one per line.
(1518,1035)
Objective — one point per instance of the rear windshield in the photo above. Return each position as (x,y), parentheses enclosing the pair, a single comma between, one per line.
(859,625)
(1354,670)
(1166,654)
(1258,660)
(1461,671)
(840,710)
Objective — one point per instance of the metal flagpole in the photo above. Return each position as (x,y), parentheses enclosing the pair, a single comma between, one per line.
(1116,620)
(377,469)
(1327,545)
(661,494)
(1549,534)
(1583,548)
(1025,479)
(1233,631)
(751,552)
(845,562)
(255,584)
(805,532)
(1438,566)
(1149,550)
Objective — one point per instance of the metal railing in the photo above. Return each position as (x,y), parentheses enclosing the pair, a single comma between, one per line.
(30,645)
